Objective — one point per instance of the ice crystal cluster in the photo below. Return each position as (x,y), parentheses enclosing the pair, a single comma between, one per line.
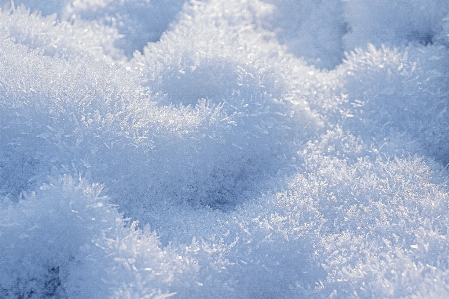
(224,149)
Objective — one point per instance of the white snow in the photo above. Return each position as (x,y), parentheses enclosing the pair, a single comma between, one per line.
(224,149)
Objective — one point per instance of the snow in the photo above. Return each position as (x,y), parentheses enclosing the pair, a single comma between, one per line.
(224,149)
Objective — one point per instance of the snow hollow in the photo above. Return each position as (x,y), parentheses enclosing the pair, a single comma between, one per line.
(224,149)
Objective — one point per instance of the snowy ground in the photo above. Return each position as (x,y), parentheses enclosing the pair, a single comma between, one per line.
(224,149)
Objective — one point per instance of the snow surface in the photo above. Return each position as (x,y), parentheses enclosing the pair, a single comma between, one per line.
(224,149)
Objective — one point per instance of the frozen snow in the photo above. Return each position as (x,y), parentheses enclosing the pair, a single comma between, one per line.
(224,149)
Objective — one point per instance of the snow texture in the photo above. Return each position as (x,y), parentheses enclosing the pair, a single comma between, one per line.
(224,149)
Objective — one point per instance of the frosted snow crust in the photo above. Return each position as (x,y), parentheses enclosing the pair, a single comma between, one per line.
(224,149)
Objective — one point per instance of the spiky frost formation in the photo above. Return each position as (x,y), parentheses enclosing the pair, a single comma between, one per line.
(138,22)
(55,38)
(402,93)
(219,160)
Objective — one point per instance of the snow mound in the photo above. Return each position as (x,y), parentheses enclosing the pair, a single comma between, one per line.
(394,23)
